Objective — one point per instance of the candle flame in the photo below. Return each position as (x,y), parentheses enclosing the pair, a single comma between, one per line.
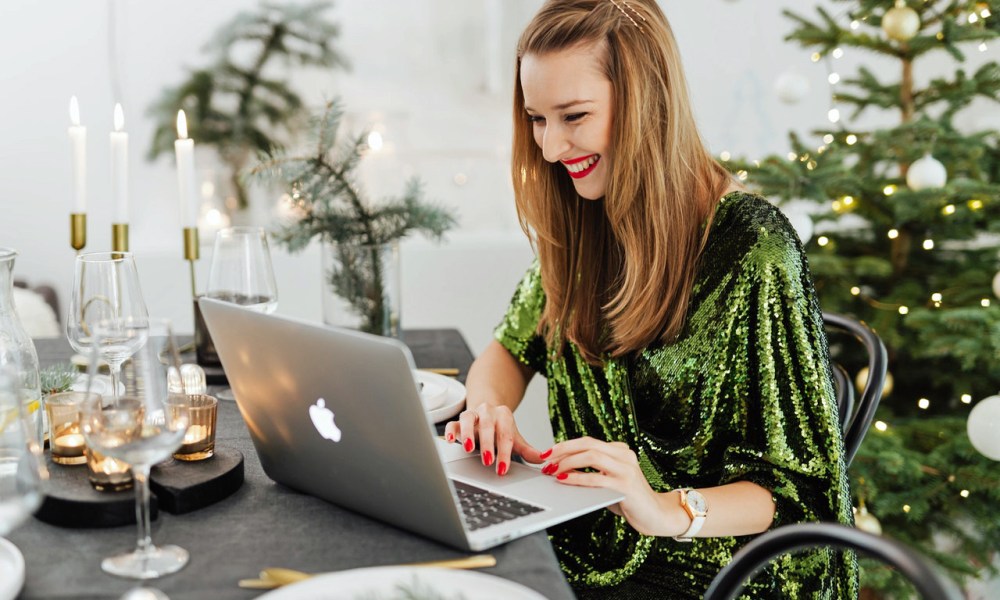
(182,125)
(74,111)
(119,117)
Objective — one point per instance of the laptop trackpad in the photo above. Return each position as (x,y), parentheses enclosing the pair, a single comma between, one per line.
(471,469)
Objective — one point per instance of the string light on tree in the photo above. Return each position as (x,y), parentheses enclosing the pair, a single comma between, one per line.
(901,22)
(928,244)
(926,173)
(893,234)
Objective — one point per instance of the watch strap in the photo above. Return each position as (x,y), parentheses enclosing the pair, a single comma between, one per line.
(697,518)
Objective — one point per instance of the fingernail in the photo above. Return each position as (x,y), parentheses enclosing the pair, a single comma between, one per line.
(502,468)
(551,468)
(451,437)
(562,476)
(546,454)
(487,458)
(468,444)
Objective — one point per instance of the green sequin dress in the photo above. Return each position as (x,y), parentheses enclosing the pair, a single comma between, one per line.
(744,394)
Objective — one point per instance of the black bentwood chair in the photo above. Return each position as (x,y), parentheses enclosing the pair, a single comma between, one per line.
(928,582)
(857,417)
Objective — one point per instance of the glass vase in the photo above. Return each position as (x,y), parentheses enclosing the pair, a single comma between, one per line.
(361,287)
(17,349)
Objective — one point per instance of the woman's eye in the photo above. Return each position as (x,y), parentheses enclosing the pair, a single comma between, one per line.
(535,119)
(575,117)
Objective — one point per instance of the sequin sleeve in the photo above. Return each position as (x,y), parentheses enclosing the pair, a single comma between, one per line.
(792,444)
(517,332)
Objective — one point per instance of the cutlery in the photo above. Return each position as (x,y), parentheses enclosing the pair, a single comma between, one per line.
(447,371)
(274,577)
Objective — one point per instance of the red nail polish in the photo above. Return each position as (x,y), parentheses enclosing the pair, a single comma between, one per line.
(469,445)
(502,468)
(545,454)
(487,458)
(451,437)
(562,476)
(552,468)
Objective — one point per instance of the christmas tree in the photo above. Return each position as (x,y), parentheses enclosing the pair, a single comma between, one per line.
(907,219)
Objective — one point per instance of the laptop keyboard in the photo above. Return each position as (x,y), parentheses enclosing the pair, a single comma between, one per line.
(482,508)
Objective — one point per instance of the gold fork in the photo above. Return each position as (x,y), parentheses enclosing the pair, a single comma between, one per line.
(275,577)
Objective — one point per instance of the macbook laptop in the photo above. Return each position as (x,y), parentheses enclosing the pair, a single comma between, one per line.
(337,414)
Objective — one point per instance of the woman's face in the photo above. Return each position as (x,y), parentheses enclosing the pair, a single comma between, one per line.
(568,101)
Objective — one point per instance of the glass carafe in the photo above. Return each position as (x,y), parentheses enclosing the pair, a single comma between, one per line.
(16,348)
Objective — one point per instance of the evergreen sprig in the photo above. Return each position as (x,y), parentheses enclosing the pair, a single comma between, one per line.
(238,104)
(331,205)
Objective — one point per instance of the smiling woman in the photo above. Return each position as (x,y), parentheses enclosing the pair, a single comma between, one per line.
(674,317)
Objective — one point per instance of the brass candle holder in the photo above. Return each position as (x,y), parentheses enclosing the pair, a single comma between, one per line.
(119,237)
(78,231)
(191,253)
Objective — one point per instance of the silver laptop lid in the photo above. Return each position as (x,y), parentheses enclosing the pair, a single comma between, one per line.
(356,435)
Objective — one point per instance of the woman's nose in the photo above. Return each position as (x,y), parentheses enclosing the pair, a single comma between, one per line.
(554,144)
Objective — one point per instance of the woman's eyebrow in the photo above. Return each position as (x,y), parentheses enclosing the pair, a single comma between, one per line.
(564,105)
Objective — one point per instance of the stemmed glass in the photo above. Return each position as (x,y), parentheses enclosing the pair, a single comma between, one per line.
(141,427)
(106,289)
(22,468)
(241,273)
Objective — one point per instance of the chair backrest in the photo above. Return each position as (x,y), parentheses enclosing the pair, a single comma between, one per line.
(855,420)
(790,538)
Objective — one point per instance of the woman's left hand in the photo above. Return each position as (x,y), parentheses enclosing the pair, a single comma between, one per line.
(616,467)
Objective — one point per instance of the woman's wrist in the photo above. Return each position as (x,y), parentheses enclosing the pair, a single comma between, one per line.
(675,519)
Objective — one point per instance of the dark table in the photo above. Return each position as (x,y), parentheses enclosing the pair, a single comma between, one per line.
(263,524)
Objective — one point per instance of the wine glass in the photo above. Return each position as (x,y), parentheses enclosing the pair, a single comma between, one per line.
(106,290)
(140,427)
(22,468)
(241,273)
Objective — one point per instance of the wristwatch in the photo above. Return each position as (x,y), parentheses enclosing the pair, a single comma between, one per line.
(695,505)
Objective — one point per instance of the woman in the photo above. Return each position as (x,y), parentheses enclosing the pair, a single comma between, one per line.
(674,317)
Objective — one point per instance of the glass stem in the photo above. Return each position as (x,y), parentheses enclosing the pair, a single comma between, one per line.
(116,375)
(143,542)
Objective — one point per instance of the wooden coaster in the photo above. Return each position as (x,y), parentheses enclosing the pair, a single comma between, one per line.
(182,487)
(70,501)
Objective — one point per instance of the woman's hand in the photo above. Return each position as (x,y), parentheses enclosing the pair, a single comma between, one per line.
(616,467)
(497,435)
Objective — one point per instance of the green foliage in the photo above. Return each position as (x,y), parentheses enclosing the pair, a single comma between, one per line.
(875,266)
(57,378)
(238,105)
(331,206)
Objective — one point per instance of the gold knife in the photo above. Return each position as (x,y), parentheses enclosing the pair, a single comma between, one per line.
(274,577)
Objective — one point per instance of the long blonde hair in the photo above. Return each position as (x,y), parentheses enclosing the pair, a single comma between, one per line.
(617,274)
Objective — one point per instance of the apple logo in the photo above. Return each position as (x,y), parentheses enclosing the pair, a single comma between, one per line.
(322,418)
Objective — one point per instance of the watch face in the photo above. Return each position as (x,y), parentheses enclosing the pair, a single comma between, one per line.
(697,502)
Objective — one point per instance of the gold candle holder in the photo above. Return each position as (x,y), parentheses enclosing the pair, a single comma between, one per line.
(191,253)
(119,237)
(107,474)
(66,441)
(199,439)
(78,231)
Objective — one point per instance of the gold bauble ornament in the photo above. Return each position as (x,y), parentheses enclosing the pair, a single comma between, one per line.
(865,521)
(901,22)
(862,379)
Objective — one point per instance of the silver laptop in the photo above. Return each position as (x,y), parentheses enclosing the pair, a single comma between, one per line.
(337,414)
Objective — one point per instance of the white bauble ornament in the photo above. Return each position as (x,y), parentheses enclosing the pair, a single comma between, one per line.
(996,285)
(791,87)
(983,427)
(865,521)
(901,22)
(926,173)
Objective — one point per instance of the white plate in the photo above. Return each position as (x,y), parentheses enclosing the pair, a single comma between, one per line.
(11,570)
(443,397)
(101,385)
(386,582)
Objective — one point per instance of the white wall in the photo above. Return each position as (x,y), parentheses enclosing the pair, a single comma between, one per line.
(434,73)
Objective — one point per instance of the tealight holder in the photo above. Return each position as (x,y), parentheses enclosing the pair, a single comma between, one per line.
(199,439)
(107,474)
(66,441)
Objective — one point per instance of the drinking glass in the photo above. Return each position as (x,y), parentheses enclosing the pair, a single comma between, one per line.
(241,273)
(106,290)
(22,468)
(141,428)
